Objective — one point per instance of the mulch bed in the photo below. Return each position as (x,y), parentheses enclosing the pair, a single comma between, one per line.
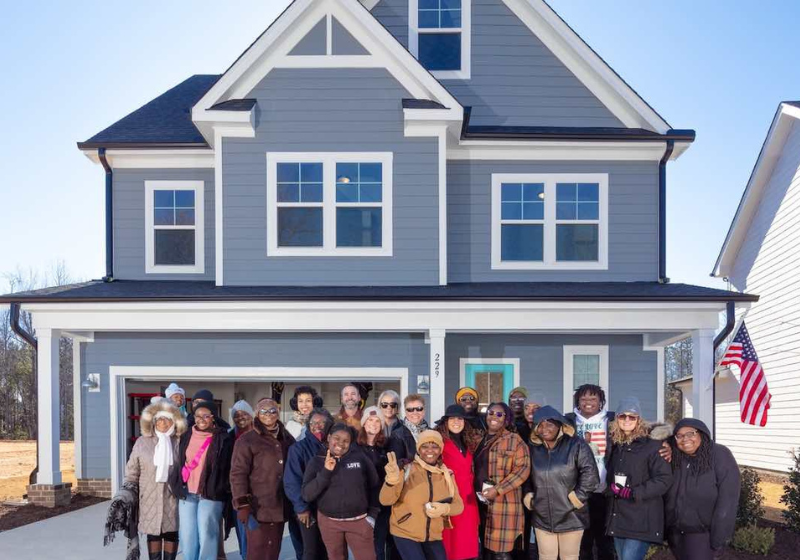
(12,517)
(787,547)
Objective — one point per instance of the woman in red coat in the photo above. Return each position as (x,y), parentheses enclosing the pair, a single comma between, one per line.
(461,537)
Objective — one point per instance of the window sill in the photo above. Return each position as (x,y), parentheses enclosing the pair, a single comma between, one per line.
(451,74)
(523,265)
(175,269)
(338,252)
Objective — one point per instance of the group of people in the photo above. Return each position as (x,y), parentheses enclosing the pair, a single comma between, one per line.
(517,480)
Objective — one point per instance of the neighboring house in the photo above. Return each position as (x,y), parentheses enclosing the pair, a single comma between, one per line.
(393,191)
(685,387)
(759,255)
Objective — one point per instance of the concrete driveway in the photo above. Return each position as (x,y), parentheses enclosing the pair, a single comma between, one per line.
(78,535)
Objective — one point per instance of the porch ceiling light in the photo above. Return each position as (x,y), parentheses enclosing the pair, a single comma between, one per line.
(92,383)
(343,179)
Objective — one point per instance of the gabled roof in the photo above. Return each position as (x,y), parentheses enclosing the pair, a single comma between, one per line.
(166,121)
(788,112)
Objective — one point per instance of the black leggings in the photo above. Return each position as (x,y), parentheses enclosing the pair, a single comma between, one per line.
(690,546)
(171,536)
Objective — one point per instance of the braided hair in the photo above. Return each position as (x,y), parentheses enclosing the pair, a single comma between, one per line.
(703,459)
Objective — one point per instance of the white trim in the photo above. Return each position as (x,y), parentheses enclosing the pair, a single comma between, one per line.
(199,265)
(77,407)
(463,362)
(660,389)
(330,61)
(551,150)
(369,4)
(550,222)
(119,374)
(442,207)
(569,374)
(189,158)
(465,30)
(48,406)
(329,204)
(219,254)
(329,35)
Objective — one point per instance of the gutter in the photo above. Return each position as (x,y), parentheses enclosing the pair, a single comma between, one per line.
(662,212)
(730,321)
(31,340)
(101,155)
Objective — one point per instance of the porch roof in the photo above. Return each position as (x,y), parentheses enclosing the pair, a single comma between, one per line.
(144,291)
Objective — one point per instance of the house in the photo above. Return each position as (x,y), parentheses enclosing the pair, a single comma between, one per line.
(410,193)
(760,245)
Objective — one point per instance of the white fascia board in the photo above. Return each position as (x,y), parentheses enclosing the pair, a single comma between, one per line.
(369,4)
(587,66)
(201,158)
(771,152)
(208,120)
(555,150)
(451,115)
(679,149)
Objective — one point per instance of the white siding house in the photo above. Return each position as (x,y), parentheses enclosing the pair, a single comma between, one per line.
(761,255)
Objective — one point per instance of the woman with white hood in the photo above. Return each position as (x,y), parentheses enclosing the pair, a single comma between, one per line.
(154,456)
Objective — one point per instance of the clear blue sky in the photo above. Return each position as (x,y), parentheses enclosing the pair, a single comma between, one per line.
(72,68)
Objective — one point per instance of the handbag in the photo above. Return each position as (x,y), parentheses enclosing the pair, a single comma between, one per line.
(186,471)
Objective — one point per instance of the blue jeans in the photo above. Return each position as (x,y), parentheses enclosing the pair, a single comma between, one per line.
(241,536)
(412,550)
(630,549)
(199,527)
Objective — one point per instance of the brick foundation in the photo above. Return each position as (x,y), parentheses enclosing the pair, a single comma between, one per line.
(50,495)
(100,487)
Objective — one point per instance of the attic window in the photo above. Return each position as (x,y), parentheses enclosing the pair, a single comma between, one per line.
(439,36)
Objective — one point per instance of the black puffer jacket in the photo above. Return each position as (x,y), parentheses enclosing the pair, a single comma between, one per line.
(403,445)
(561,478)
(649,476)
(704,502)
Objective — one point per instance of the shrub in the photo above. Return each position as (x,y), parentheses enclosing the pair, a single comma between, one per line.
(791,496)
(754,539)
(751,501)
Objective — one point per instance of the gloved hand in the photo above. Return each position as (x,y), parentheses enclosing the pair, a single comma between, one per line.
(624,493)
(435,510)
(528,500)
(243,514)
(392,470)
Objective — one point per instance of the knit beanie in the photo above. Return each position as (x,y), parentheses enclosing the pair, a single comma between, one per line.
(174,389)
(430,436)
(372,411)
(521,390)
(244,406)
(466,391)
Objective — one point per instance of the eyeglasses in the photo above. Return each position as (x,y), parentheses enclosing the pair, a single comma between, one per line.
(205,417)
(469,398)
(163,419)
(686,435)
(496,413)
(516,399)
(265,411)
(415,409)
(317,423)
(626,417)
(388,405)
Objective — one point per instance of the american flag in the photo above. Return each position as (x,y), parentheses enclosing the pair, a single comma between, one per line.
(754,394)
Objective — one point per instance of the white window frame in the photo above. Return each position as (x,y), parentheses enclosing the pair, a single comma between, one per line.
(569,373)
(549,261)
(329,205)
(466,39)
(199,266)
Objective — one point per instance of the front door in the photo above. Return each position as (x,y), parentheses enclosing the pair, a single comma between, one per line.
(492,381)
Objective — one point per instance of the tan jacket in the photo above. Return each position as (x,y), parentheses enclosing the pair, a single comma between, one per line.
(408,499)
(158,508)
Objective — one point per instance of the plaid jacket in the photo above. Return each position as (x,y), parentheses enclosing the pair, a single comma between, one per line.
(509,467)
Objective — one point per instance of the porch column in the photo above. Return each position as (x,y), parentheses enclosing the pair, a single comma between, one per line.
(703,373)
(437,396)
(49,429)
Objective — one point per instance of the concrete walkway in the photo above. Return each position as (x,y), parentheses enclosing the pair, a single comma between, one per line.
(78,535)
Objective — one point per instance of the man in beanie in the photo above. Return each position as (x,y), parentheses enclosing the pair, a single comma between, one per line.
(516,402)
(467,397)
(206,396)
(178,397)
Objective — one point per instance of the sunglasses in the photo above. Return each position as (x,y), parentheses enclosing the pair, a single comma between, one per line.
(626,417)
(415,409)
(686,435)
(272,410)
(496,413)
(467,398)
(388,405)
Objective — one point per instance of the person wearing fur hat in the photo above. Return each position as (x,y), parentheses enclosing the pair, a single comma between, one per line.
(502,465)
(372,440)
(305,400)
(637,480)
(153,458)
(201,482)
(460,440)
(424,497)
(469,399)
(701,503)
(563,475)
(257,481)
(178,397)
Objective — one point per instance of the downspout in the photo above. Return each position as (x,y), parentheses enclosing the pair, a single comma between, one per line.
(29,338)
(662,213)
(101,155)
(730,321)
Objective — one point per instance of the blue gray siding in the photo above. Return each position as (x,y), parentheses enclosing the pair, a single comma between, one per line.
(215,349)
(515,79)
(632,371)
(129,221)
(331,110)
(343,43)
(315,41)
(632,216)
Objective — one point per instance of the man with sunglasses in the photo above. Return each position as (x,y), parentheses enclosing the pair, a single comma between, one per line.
(403,441)
(389,403)
(467,397)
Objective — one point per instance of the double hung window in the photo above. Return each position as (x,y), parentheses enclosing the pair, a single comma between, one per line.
(174,233)
(439,36)
(584,365)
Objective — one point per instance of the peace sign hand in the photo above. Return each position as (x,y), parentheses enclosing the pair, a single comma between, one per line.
(330,461)
(392,469)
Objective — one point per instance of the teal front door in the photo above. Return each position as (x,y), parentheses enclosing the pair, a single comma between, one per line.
(492,381)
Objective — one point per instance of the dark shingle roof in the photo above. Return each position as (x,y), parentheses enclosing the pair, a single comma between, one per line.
(131,290)
(235,105)
(166,120)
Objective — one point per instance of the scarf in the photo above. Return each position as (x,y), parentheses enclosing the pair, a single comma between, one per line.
(162,458)
(300,418)
(442,470)
(415,429)
(123,516)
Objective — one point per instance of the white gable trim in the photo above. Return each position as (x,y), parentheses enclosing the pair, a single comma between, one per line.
(188,158)
(770,153)
(271,50)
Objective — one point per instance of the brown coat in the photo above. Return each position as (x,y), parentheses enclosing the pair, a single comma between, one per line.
(158,508)
(257,473)
(408,499)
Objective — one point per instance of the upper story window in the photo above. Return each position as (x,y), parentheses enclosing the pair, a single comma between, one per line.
(550,221)
(174,233)
(439,36)
(329,204)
